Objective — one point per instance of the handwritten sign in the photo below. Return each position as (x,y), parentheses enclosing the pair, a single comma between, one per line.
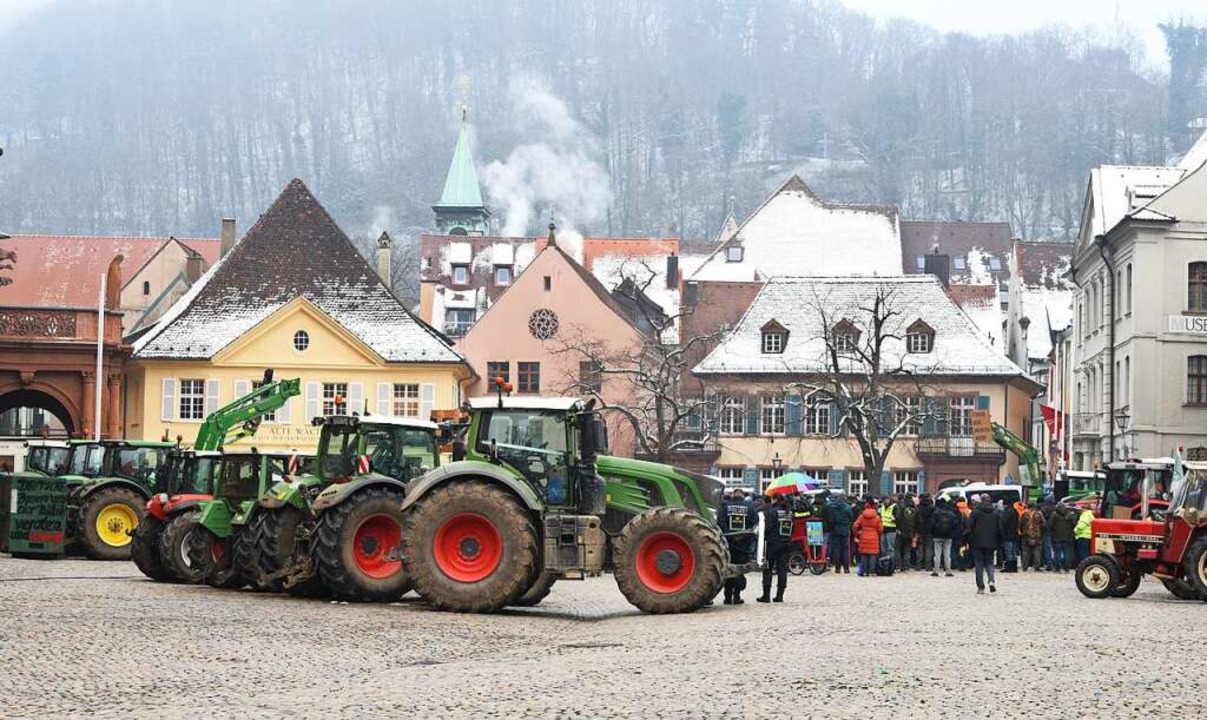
(38,515)
(982,426)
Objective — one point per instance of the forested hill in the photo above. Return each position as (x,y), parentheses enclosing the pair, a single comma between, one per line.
(626,116)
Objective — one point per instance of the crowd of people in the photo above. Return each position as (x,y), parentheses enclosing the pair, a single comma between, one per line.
(903,533)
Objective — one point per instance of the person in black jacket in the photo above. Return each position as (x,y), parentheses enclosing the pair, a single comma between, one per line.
(984,538)
(739,523)
(948,525)
(926,532)
(1009,518)
(777,520)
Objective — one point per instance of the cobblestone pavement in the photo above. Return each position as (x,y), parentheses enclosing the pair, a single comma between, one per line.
(88,638)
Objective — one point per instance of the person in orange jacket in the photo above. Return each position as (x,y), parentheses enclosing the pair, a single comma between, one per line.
(959,549)
(867,529)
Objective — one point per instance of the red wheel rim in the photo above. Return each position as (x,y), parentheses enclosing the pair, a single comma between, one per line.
(665,562)
(467,548)
(375,539)
(218,551)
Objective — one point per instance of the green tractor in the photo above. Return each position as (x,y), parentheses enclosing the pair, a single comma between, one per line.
(342,524)
(216,532)
(107,484)
(46,458)
(529,504)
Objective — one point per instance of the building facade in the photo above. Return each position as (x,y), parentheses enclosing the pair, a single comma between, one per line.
(772,413)
(1139,341)
(295,296)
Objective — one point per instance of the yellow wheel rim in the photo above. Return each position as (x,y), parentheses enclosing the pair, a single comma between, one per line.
(113,524)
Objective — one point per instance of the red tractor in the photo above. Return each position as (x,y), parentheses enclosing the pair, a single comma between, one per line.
(1169,543)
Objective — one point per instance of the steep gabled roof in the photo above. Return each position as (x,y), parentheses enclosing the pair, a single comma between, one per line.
(461,188)
(959,348)
(794,232)
(294,250)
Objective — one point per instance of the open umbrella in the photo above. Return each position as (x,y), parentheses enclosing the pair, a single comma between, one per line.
(790,483)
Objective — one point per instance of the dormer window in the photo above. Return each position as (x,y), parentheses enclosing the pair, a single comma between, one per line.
(502,274)
(460,274)
(845,337)
(958,263)
(775,338)
(734,254)
(919,338)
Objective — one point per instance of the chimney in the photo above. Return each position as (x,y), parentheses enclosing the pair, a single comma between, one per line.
(672,271)
(383,258)
(228,235)
(691,294)
(192,268)
(939,265)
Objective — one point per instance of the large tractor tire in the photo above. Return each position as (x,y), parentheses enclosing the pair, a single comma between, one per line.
(107,518)
(277,533)
(1180,589)
(538,592)
(174,548)
(470,547)
(1128,584)
(144,549)
(1195,565)
(245,553)
(669,560)
(359,547)
(214,556)
(1097,576)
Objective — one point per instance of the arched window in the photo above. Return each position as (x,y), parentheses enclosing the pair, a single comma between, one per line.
(1196,300)
(1196,380)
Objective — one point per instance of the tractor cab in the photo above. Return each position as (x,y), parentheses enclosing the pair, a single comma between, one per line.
(192,472)
(1136,489)
(47,458)
(397,447)
(140,463)
(551,442)
(85,461)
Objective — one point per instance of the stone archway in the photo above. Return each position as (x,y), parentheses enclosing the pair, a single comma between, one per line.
(46,399)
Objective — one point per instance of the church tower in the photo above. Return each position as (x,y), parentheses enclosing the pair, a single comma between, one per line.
(461,210)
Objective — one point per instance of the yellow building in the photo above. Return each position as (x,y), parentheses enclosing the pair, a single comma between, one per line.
(293,295)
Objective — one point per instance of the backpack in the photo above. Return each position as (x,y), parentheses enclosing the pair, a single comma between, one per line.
(884,565)
(944,523)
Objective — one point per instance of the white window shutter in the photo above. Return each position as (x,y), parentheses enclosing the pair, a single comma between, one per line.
(242,388)
(168,408)
(283,412)
(356,398)
(427,401)
(312,400)
(385,392)
(212,388)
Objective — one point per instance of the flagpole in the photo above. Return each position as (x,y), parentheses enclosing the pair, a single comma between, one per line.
(100,347)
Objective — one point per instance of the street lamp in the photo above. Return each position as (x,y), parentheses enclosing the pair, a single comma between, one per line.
(777,463)
(1121,422)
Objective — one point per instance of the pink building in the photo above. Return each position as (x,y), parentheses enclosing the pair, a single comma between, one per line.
(534,335)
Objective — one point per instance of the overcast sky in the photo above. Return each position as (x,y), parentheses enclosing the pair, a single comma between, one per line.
(986,17)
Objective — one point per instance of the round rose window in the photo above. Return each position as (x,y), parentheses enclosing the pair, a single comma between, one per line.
(543,324)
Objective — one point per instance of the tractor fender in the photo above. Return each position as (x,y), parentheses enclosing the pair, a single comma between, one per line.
(467,469)
(177,508)
(282,494)
(336,493)
(84,491)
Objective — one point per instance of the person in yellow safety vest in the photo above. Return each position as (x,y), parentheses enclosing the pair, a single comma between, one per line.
(1082,534)
(889,537)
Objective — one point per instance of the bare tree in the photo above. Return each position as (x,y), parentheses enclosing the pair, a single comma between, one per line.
(877,398)
(642,384)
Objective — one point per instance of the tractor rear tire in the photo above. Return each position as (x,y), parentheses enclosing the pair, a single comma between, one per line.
(174,548)
(1128,584)
(538,592)
(670,560)
(245,551)
(213,554)
(1097,576)
(278,537)
(107,516)
(1180,589)
(470,547)
(144,549)
(352,542)
(1195,565)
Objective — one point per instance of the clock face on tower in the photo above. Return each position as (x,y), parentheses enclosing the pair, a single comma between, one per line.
(543,324)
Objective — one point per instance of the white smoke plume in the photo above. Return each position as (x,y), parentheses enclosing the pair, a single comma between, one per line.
(554,170)
(383,220)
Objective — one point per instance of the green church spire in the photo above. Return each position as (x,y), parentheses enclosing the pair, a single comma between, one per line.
(461,210)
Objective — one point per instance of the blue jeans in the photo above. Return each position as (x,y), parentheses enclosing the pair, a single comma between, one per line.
(983,557)
(840,551)
(1063,554)
(1083,549)
(887,541)
(1049,555)
(1011,550)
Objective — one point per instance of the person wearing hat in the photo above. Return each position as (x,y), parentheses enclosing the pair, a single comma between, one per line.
(777,536)
(739,521)
(984,537)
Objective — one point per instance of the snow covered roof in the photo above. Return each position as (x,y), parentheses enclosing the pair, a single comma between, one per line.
(1117,190)
(796,233)
(1049,310)
(1196,156)
(982,305)
(294,250)
(796,303)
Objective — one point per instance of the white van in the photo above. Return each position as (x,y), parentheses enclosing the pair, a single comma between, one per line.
(1008,494)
